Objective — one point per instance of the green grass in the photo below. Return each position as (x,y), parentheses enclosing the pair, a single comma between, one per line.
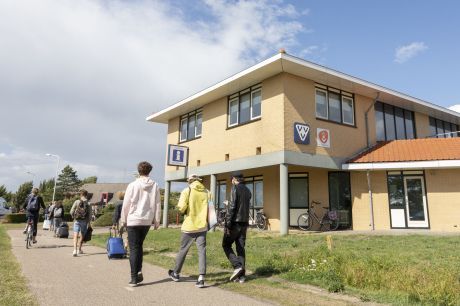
(402,270)
(13,286)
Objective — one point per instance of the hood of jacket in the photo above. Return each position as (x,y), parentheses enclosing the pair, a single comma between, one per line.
(198,186)
(146,183)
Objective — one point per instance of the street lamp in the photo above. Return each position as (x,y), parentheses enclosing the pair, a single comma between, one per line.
(33,177)
(57,169)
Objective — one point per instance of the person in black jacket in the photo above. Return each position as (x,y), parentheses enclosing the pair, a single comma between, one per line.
(117,213)
(236,225)
(32,207)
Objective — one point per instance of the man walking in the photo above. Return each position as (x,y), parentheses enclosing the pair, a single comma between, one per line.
(141,208)
(193,202)
(32,206)
(236,226)
(81,213)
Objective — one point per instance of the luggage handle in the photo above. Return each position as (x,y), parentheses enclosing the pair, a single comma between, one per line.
(114,235)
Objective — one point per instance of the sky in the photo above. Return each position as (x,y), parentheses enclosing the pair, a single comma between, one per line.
(79,78)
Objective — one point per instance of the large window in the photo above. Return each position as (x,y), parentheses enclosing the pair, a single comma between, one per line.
(256,186)
(335,105)
(245,106)
(393,122)
(340,196)
(441,129)
(221,194)
(190,125)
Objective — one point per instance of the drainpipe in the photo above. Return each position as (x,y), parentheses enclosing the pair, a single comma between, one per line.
(366,119)
(371,203)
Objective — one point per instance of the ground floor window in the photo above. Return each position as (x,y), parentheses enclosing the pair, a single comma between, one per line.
(407,199)
(221,194)
(298,196)
(340,197)
(256,186)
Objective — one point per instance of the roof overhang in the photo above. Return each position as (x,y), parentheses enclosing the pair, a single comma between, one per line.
(432,164)
(283,62)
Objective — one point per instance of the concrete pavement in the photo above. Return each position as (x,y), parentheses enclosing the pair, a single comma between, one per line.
(56,277)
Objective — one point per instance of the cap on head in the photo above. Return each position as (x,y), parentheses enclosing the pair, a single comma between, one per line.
(193,177)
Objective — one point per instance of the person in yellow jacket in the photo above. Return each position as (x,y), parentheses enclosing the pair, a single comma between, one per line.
(193,202)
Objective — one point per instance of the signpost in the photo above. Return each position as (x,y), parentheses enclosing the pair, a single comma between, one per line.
(177,156)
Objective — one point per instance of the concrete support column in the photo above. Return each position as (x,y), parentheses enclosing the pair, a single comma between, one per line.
(284,205)
(212,187)
(165,204)
(371,202)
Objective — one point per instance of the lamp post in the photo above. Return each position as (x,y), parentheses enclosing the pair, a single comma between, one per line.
(57,169)
(33,177)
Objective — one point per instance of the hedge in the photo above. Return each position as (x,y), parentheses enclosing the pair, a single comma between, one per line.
(21,218)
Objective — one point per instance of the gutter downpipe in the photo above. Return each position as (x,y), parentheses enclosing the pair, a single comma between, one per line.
(371,202)
(366,119)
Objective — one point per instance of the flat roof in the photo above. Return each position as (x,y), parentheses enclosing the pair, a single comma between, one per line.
(283,62)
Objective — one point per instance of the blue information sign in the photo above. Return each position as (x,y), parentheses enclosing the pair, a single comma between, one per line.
(301,133)
(177,156)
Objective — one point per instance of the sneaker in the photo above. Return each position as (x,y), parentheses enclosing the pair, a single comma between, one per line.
(24,231)
(140,277)
(236,274)
(174,276)
(79,252)
(133,282)
(200,283)
(34,241)
(74,254)
(241,279)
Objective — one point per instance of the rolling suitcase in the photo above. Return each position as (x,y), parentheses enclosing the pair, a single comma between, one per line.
(62,231)
(115,246)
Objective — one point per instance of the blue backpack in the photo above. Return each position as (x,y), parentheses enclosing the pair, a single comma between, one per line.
(32,205)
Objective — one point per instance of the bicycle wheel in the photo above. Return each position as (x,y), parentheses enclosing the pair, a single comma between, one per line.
(261,222)
(28,238)
(333,225)
(304,222)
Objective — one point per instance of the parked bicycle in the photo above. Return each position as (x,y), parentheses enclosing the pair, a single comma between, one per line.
(260,221)
(29,232)
(329,219)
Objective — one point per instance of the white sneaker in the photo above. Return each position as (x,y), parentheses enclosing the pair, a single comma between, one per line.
(74,254)
(236,274)
(79,252)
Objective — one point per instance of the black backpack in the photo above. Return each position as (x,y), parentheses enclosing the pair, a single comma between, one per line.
(32,204)
(80,210)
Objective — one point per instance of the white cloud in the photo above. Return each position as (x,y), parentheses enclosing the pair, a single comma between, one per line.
(78,78)
(405,53)
(455,108)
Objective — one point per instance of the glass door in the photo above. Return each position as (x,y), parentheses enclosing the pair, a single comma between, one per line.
(416,209)
(298,196)
(340,197)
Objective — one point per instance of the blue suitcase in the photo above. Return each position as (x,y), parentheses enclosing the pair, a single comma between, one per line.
(115,246)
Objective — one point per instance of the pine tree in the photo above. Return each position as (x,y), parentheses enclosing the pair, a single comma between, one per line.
(46,190)
(3,191)
(67,182)
(89,180)
(23,191)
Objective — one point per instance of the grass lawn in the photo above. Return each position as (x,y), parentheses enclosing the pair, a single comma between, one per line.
(13,286)
(403,270)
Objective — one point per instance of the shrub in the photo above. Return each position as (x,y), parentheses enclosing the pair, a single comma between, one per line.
(16,218)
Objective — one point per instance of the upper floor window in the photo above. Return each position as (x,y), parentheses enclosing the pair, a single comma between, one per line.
(190,125)
(244,106)
(335,105)
(441,129)
(393,122)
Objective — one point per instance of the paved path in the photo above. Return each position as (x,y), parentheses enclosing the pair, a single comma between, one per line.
(56,277)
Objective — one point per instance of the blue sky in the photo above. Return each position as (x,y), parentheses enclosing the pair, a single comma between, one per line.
(79,78)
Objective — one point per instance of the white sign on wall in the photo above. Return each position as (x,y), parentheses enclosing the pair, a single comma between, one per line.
(177,156)
(323,138)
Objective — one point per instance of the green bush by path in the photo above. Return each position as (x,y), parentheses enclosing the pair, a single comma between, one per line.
(403,270)
(105,219)
(13,286)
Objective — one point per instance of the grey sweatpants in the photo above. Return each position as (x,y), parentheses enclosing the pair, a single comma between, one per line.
(185,244)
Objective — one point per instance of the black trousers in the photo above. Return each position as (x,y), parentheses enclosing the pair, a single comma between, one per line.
(136,237)
(35,217)
(237,235)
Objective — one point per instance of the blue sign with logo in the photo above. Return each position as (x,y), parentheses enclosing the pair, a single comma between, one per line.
(301,133)
(177,156)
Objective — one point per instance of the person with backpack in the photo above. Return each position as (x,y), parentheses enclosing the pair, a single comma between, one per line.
(32,207)
(57,214)
(81,214)
(141,208)
(193,202)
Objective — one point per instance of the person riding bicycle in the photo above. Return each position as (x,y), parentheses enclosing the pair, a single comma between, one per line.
(32,207)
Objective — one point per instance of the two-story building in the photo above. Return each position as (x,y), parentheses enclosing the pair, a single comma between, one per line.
(301,132)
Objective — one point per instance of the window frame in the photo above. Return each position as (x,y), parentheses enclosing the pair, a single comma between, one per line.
(186,118)
(236,97)
(342,94)
(453,127)
(383,106)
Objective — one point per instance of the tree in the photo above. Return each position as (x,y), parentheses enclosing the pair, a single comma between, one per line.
(23,191)
(5,194)
(46,189)
(89,180)
(67,182)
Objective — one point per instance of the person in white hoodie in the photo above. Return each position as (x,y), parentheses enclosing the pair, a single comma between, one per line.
(141,208)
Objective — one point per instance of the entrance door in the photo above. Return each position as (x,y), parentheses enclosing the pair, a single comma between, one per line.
(416,210)
(298,196)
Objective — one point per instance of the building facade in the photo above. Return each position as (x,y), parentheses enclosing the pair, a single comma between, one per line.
(300,132)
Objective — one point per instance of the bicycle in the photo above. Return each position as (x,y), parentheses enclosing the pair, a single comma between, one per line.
(260,221)
(29,232)
(329,218)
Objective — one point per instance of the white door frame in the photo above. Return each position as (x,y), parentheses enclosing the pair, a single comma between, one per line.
(410,223)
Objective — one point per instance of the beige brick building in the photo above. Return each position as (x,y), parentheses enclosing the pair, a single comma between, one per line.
(295,130)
